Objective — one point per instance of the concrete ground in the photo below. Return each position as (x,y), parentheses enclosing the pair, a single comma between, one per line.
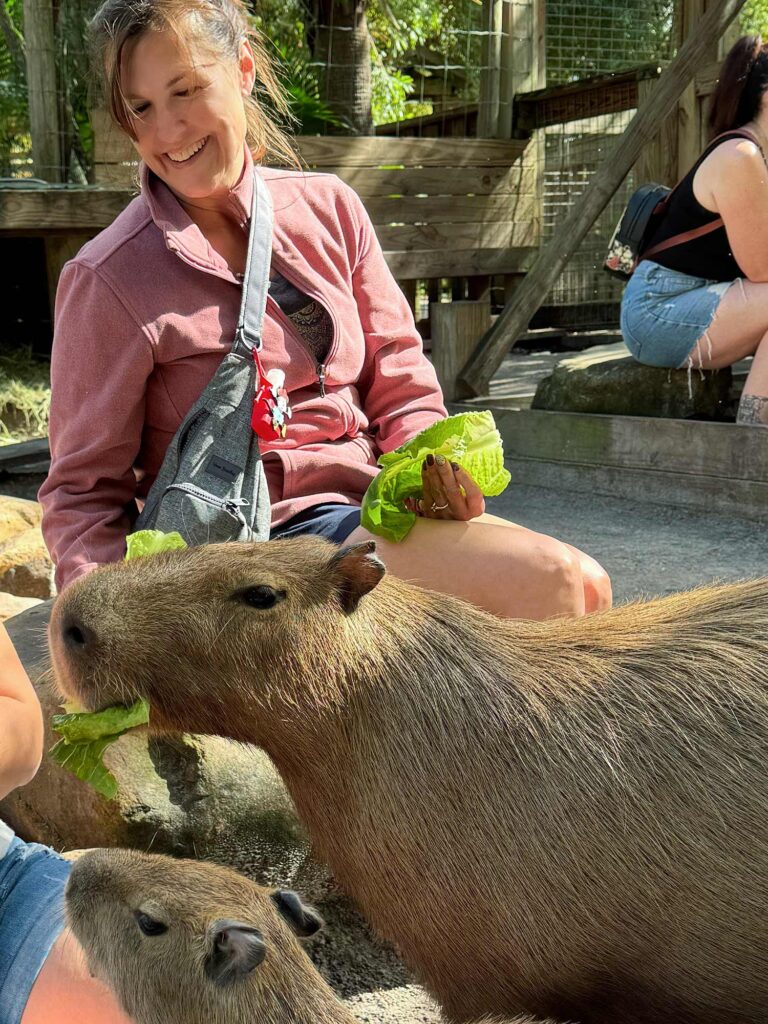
(648,550)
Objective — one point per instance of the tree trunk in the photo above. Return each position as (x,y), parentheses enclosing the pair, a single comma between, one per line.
(343,44)
(42,91)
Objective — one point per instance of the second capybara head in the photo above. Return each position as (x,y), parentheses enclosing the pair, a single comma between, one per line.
(187,942)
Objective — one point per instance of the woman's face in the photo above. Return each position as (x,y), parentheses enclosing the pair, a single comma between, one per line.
(189,114)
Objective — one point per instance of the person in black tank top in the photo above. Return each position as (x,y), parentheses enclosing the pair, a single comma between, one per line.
(702,303)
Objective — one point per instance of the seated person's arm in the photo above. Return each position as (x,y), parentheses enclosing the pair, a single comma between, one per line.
(100,364)
(21,721)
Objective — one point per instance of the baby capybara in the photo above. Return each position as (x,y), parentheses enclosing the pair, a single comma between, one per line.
(565,819)
(183,942)
(186,942)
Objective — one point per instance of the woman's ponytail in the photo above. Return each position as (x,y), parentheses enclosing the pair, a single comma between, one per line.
(739,91)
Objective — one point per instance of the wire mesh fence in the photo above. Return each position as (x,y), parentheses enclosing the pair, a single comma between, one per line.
(587,38)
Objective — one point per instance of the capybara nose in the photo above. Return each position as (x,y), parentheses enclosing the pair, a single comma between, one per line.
(78,638)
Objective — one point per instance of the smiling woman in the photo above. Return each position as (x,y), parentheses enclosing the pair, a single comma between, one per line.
(147,310)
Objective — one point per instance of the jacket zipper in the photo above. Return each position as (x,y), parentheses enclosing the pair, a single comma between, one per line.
(321,369)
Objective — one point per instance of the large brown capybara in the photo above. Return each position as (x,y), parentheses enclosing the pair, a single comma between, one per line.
(565,819)
(186,942)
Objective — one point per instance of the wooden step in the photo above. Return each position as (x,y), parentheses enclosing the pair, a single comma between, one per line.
(714,467)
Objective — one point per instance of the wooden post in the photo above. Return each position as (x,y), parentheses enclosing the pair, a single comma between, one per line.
(488,113)
(456,326)
(658,161)
(552,259)
(41,86)
(523,58)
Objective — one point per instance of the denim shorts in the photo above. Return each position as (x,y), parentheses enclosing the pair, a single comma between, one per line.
(32,880)
(331,520)
(664,313)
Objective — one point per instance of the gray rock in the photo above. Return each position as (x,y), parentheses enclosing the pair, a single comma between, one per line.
(600,381)
(189,796)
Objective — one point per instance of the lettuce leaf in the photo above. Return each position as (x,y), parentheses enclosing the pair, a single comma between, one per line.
(150,542)
(470,439)
(85,726)
(85,761)
(86,735)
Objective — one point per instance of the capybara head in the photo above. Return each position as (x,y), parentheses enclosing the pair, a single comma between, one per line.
(178,624)
(186,941)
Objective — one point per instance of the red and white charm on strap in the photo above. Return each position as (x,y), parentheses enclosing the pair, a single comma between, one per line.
(271,410)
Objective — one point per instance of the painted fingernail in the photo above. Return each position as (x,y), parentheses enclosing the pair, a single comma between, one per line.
(455,467)
(424,464)
(440,460)
(431,460)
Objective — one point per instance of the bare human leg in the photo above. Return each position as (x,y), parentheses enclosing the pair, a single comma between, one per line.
(739,329)
(498,566)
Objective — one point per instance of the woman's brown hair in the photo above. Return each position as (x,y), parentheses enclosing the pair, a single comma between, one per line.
(739,91)
(220,26)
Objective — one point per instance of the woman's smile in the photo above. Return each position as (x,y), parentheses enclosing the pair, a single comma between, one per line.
(185,156)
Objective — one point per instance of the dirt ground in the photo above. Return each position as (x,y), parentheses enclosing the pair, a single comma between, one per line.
(648,550)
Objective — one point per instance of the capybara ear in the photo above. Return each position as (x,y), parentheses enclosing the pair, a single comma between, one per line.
(301,919)
(236,948)
(357,570)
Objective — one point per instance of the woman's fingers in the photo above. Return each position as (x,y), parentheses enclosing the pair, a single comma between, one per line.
(448,492)
(475,502)
(450,489)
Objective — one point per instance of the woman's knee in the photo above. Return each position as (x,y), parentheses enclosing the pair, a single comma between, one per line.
(598,592)
(561,583)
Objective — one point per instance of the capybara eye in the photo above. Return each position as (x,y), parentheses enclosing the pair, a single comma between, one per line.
(148,925)
(260,597)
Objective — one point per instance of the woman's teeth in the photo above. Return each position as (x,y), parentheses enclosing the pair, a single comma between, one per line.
(185,154)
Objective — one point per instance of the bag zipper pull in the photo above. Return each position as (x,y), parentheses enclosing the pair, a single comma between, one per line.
(321,379)
(233,505)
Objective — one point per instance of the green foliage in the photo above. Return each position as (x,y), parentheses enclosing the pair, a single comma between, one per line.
(754,18)
(14,126)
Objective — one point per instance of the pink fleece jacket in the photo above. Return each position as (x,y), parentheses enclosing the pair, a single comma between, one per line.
(144,314)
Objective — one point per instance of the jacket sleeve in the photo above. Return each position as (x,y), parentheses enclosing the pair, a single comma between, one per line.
(398,385)
(100,363)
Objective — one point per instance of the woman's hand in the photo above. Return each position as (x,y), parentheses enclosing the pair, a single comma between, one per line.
(449,492)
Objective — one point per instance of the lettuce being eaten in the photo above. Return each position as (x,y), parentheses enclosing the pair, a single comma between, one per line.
(86,735)
(470,439)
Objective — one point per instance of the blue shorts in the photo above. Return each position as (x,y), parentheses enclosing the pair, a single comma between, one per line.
(333,521)
(664,313)
(32,880)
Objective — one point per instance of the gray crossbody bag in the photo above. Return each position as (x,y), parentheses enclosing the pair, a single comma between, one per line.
(211,486)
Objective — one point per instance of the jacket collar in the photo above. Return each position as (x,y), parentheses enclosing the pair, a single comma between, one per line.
(180,232)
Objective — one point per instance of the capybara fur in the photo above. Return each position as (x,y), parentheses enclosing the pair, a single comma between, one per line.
(184,942)
(564,819)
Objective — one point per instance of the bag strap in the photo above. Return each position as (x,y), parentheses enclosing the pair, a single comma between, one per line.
(253,303)
(704,229)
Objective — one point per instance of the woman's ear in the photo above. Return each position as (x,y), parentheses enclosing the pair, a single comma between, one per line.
(246,68)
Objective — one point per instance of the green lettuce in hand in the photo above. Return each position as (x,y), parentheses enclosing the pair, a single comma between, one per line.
(471,439)
(86,735)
